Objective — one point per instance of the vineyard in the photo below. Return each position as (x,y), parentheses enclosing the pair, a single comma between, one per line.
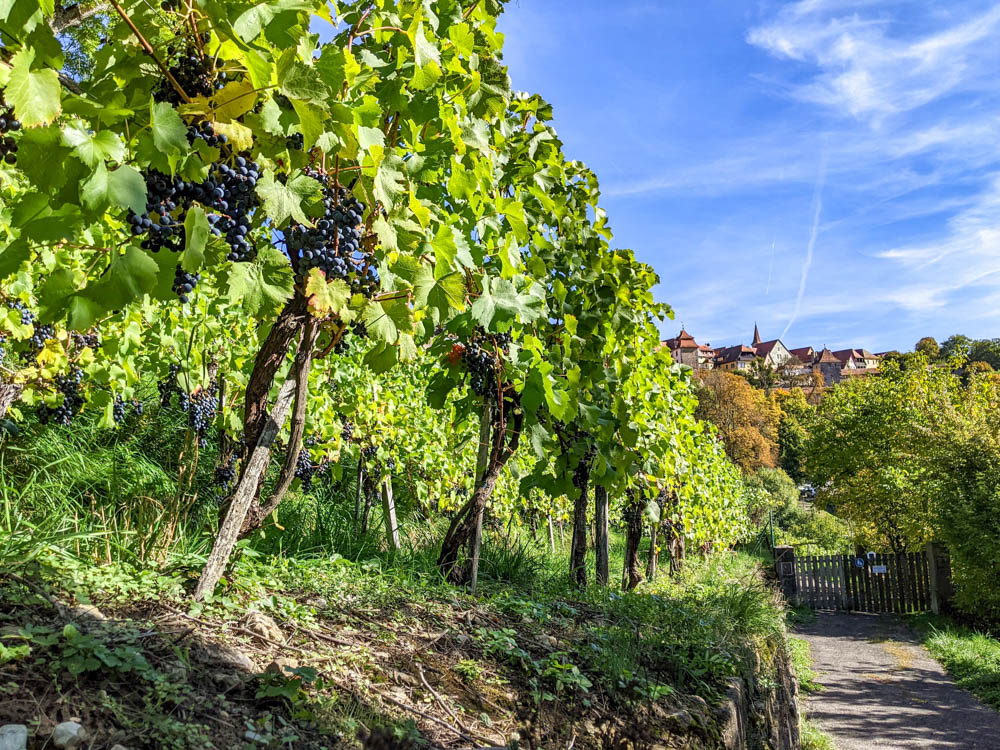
(304,278)
(359,257)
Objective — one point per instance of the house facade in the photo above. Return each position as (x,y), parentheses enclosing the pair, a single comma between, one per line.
(685,350)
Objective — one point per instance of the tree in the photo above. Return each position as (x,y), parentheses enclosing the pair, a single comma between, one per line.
(961,452)
(986,350)
(761,375)
(796,412)
(928,346)
(956,346)
(747,420)
(860,451)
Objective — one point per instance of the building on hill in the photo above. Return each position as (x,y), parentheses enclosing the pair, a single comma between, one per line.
(828,366)
(774,353)
(855,362)
(734,358)
(685,350)
(706,357)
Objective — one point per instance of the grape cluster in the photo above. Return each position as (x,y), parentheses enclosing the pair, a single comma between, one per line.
(369,452)
(296,142)
(225,474)
(184,283)
(234,199)
(40,335)
(27,318)
(206,132)
(482,366)
(582,471)
(85,340)
(333,245)
(192,71)
(168,386)
(201,407)
(121,409)
(8,124)
(305,469)
(228,192)
(69,386)
(347,432)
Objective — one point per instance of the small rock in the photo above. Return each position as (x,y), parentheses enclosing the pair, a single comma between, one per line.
(68,734)
(548,640)
(86,612)
(226,656)
(462,639)
(318,602)
(13,737)
(261,625)
(118,747)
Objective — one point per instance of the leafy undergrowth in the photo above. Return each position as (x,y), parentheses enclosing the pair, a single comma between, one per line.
(972,657)
(362,651)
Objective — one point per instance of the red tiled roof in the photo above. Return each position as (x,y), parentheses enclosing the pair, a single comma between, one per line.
(804,353)
(683,340)
(828,356)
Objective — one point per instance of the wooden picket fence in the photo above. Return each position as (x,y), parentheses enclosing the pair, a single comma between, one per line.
(879,583)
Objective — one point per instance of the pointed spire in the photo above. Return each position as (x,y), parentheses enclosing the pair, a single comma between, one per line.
(756,335)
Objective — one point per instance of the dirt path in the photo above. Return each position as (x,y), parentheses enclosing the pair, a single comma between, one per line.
(883,690)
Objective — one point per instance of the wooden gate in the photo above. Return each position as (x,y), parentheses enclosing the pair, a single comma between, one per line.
(873,583)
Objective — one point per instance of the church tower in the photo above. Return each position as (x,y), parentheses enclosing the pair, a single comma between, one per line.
(756,337)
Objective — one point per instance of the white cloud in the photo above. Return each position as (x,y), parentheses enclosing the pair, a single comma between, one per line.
(863,69)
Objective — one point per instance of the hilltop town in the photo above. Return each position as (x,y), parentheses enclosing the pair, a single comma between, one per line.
(802,366)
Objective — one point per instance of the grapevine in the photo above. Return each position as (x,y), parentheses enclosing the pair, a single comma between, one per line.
(8,124)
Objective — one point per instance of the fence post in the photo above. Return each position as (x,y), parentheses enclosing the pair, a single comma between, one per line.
(939,577)
(784,567)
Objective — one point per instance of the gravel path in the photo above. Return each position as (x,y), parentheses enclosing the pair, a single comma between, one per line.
(883,690)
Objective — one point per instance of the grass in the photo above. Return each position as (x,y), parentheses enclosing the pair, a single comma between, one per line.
(567,655)
(813,738)
(798,650)
(971,657)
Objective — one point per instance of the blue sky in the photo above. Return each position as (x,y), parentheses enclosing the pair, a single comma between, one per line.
(828,169)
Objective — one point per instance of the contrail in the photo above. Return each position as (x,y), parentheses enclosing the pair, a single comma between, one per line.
(770,270)
(817,207)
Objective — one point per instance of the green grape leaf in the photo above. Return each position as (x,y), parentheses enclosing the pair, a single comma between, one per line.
(326,297)
(263,284)
(250,23)
(124,187)
(130,275)
(382,357)
(196,231)
(443,294)
(296,80)
(93,148)
(284,201)
(169,130)
(35,94)
(390,181)
(12,256)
